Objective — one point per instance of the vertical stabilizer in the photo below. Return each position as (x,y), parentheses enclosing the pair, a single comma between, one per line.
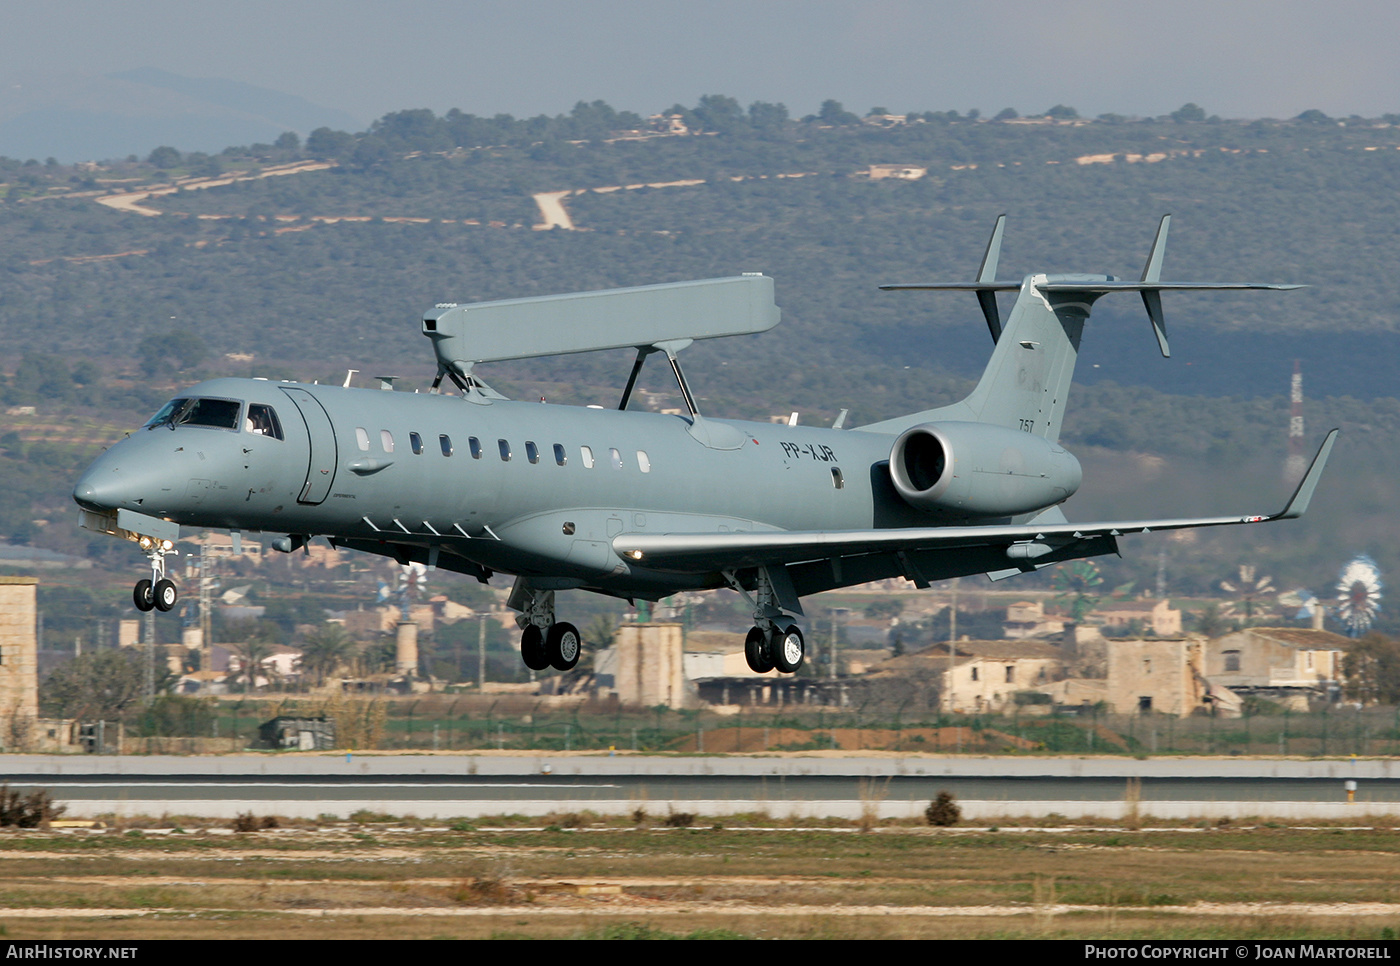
(1027,380)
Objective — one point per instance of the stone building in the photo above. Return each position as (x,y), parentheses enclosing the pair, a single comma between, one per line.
(19,672)
(1291,664)
(1161,618)
(1163,677)
(649,666)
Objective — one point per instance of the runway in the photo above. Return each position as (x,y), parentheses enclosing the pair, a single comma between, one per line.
(473,786)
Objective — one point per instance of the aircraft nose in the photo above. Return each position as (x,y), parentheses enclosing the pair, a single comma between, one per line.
(118,478)
(97,490)
(85,493)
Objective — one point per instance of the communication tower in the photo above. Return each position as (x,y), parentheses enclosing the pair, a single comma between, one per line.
(1297,463)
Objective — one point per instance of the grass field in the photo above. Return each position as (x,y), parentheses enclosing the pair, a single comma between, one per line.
(581,877)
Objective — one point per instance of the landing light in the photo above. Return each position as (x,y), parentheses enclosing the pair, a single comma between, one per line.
(635,554)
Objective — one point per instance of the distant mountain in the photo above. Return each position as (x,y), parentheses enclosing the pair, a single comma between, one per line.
(94,117)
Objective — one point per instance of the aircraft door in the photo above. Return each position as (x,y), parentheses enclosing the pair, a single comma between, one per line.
(320,467)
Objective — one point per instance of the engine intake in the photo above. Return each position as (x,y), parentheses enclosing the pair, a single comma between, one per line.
(972,469)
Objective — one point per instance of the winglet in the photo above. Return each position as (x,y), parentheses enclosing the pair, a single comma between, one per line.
(1152,272)
(1303,495)
(988,273)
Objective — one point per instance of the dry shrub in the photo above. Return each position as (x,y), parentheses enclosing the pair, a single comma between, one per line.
(872,793)
(679,820)
(1132,800)
(34,810)
(485,890)
(248,822)
(572,820)
(639,816)
(943,811)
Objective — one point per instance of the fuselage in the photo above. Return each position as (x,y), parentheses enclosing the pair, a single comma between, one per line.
(523,488)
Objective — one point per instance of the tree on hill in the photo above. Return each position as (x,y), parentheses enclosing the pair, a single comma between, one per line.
(833,113)
(1188,112)
(164,157)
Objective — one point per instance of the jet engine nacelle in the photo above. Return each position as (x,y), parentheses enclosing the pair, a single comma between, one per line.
(981,470)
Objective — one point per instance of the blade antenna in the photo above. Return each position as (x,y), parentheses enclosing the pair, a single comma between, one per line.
(1152,298)
(987,298)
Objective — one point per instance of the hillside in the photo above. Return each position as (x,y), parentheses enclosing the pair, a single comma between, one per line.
(313,258)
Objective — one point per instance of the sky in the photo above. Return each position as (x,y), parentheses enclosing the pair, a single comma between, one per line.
(1243,58)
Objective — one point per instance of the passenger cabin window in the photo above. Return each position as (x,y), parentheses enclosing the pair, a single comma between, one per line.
(212,413)
(474,445)
(504,447)
(560,456)
(586,454)
(262,421)
(532,452)
(446,445)
(616,459)
(643,461)
(416,443)
(362,438)
(386,439)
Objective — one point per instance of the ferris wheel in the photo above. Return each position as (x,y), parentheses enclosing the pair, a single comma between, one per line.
(1358,595)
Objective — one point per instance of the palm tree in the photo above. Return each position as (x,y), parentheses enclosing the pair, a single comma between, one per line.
(251,654)
(325,649)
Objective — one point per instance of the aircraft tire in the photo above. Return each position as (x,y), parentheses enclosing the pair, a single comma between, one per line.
(166,594)
(756,651)
(532,648)
(788,649)
(143,596)
(563,646)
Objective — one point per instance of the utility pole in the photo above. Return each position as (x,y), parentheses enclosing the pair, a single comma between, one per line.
(952,641)
(1297,462)
(150,689)
(206,622)
(831,675)
(481,654)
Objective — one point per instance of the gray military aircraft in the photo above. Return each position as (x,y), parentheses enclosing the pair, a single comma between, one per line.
(640,504)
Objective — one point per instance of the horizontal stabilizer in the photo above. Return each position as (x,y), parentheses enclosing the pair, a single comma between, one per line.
(1150,286)
(952,286)
(1103,288)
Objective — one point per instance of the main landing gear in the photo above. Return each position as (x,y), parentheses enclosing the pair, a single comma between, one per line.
(775,646)
(545,642)
(774,641)
(158,592)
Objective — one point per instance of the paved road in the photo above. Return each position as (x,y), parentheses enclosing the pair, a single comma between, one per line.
(463,785)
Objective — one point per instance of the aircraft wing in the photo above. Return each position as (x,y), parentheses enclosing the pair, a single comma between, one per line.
(1020,546)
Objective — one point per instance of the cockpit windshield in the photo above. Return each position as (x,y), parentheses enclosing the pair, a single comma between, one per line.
(214,413)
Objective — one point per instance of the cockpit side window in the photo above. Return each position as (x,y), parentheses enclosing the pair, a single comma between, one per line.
(213,413)
(262,421)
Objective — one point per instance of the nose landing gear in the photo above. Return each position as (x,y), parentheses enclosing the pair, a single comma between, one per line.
(158,593)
